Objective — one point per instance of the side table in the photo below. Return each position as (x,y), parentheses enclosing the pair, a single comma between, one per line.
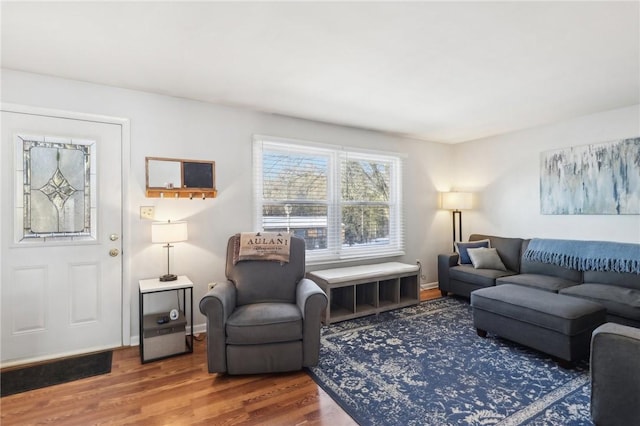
(150,330)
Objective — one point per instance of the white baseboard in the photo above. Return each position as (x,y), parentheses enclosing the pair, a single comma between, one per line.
(199,328)
(428,286)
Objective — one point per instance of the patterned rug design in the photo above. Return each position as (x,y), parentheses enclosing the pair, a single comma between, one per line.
(425,365)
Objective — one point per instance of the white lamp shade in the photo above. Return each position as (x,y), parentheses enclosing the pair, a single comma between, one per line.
(168,232)
(457,200)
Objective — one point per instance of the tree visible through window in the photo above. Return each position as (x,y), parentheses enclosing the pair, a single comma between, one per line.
(365,202)
(343,203)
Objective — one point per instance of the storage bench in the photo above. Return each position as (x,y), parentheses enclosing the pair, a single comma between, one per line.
(552,323)
(356,291)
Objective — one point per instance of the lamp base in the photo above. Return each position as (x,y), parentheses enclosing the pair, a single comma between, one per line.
(168,277)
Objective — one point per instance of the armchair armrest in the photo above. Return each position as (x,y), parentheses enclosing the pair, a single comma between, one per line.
(309,305)
(312,302)
(217,305)
(445,261)
(615,369)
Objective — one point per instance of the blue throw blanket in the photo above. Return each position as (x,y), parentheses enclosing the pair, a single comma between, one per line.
(586,255)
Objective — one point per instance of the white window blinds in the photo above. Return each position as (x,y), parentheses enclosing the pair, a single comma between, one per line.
(345,203)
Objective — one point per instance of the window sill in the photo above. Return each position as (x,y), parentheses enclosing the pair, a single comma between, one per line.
(355,258)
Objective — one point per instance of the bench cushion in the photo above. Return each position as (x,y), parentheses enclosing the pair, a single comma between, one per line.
(362,272)
(565,314)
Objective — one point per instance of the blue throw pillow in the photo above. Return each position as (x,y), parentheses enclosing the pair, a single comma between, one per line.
(461,248)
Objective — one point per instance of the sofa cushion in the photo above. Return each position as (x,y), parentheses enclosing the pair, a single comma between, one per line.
(623,279)
(619,301)
(509,249)
(462,248)
(481,277)
(264,323)
(533,267)
(541,282)
(485,258)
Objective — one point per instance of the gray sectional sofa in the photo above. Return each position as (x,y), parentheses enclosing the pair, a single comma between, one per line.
(618,292)
(615,390)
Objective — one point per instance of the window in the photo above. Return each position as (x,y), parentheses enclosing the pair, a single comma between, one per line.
(345,203)
(58,180)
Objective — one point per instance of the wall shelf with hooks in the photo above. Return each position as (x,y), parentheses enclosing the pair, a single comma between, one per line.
(178,178)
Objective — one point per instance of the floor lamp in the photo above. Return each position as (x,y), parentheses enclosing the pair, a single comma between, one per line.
(456,201)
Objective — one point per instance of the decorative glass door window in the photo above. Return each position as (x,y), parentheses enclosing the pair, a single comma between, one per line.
(58,177)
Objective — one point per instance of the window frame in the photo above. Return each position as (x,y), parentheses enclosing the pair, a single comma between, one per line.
(336,155)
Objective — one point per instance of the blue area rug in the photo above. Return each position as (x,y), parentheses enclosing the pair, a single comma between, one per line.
(425,365)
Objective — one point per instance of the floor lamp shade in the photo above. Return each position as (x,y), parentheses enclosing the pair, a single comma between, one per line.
(457,200)
(167,233)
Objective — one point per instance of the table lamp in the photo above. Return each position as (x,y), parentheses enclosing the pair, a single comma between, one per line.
(167,233)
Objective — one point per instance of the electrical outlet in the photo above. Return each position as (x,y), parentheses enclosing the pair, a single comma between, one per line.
(147,212)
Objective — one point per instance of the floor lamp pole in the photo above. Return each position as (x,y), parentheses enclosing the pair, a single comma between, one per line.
(459,213)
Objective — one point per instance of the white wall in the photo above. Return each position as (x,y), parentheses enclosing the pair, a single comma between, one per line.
(164,126)
(505,170)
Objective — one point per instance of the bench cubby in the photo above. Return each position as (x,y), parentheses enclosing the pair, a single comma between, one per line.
(368,289)
(409,288)
(342,301)
(388,292)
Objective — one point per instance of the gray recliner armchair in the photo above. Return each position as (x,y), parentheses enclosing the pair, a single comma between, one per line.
(266,317)
(615,375)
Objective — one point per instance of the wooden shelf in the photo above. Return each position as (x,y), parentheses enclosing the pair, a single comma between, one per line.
(202,193)
(364,290)
(179,178)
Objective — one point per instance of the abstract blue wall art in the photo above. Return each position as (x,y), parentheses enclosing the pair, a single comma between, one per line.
(601,178)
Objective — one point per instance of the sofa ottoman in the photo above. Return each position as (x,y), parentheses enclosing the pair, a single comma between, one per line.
(552,323)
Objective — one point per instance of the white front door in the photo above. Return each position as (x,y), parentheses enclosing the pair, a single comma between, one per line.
(61,236)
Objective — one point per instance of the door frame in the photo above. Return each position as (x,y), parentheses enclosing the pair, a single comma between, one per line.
(125,133)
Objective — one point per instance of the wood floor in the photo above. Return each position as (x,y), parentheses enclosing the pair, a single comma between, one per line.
(177,391)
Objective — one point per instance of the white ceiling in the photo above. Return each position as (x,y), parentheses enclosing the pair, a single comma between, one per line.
(439,71)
